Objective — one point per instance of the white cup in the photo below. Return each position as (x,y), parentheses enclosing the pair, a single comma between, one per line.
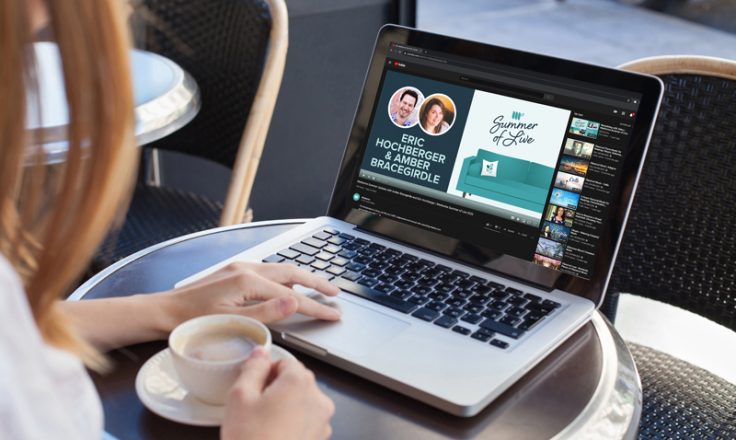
(208,352)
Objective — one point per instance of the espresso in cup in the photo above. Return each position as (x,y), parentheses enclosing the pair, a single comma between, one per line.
(208,352)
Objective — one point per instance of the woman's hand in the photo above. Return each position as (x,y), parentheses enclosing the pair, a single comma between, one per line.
(278,400)
(259,290)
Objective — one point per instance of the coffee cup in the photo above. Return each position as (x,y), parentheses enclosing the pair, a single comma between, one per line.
(208,352)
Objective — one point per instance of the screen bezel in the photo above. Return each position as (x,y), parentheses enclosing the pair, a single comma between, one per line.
(649,87)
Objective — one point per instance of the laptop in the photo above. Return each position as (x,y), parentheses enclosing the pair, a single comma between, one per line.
(475,218)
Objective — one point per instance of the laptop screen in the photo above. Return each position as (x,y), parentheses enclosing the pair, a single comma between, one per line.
(515,169)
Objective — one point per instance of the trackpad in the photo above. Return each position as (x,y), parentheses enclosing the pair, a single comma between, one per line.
(360,331)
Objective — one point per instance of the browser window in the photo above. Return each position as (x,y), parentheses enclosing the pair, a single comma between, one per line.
(509,159)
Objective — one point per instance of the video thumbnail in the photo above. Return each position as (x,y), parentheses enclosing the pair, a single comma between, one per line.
(555,232)
(547,262)
(563,198)
(575,165)
(550,248)
(569,181)
(559,215)
(583,150)
(584,127)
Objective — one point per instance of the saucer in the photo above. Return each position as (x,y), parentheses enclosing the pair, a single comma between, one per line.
(158,387)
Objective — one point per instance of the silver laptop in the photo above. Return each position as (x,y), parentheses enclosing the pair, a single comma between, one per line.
(475,218)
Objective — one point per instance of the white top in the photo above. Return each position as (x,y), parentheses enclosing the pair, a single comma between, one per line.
(45,392)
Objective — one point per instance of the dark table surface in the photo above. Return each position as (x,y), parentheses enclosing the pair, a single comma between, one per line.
(588,387)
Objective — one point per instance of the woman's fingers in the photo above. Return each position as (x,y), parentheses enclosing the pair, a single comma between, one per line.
(264,289)
(273,309)
(253,378)
(289,275)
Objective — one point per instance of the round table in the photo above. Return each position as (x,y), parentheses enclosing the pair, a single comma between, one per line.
(166,99)
(587,388)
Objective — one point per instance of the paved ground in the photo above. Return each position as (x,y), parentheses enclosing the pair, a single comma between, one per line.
(596,31)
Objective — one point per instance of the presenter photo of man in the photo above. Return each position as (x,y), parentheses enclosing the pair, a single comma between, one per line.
(407,103)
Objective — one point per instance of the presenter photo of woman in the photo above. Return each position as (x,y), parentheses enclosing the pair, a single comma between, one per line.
(434,115)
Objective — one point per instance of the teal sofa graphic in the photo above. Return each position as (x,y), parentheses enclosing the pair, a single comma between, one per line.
(517,182)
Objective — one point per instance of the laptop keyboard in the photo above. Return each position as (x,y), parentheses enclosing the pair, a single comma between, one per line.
(466,304)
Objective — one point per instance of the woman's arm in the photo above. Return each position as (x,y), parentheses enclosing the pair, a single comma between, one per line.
(261,291)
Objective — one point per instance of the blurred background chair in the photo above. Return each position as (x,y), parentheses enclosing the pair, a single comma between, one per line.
(236,51)
(679,246)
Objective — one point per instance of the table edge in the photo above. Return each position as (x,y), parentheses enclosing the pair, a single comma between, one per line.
(82,290)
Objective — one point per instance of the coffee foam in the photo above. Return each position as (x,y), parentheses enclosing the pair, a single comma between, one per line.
(220,342)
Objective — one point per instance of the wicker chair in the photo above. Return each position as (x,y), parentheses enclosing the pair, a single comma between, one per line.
(236,51)
(679,245)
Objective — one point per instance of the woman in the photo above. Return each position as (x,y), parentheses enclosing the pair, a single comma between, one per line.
(559,216)
(51,223)
(433,117)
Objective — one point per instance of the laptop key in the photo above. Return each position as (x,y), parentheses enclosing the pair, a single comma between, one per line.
(331,248)
(454,312)
(374,295)
(490,313)
(437,305)
(472,318)
(331,231)
(550,303)
(355,267)
(324,256)
(495,285)
(336,241)
(474,308)
(517,312)
(322,235)
(351,246)
(517,300)
(337,271)
(275,258)
(509,320)
(404,284)
(528,324)
(368,282)
(373,273)
(513,291)
(532,297)
(305,249)
(391,280)
(426,314)
(289,253)
(498,327)
(500,344)
(482,336)
(311,241)
(339,261)
(351,276)
(347,236)
(401,294)
(446,321)
(462,330)
(385,288)
(305,259)
(419,300)
(320,265)
(347,254)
